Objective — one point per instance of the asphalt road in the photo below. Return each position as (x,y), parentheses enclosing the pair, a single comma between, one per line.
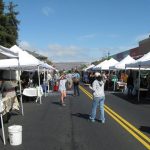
(49,126)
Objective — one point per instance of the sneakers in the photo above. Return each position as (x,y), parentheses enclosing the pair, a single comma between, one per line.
(63,104)
(91,119)
(102,121)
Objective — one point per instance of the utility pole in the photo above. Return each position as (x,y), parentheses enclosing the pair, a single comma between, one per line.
(108,55)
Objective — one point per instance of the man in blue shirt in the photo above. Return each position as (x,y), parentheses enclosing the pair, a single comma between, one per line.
(76,80)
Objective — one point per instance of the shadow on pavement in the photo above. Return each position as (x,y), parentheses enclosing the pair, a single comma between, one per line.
(84,116)
(133,99)
(56,103)
(145,129)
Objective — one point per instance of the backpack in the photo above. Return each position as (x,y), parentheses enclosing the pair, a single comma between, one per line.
(75,80)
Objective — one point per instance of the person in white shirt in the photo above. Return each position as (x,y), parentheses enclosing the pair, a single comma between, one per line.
(98,98)
(62,88)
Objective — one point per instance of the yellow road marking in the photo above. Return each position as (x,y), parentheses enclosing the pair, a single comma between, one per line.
(125,124)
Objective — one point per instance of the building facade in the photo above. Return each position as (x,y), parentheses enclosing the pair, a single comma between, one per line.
(137,52)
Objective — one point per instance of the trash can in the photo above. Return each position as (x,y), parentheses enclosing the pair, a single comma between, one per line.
(15,135)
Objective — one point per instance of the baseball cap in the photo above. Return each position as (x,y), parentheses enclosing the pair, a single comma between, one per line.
(97,74)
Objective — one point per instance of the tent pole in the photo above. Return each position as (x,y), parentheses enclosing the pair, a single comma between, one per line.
(47,81)
(19,70)
(3,129)
(139,85)
(108,79)
(39,82)
(44,84)
(10,74)
(2,124)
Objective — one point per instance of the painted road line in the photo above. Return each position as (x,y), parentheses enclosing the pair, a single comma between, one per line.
(125,124)
(129,125)
(147,145)
(123,120)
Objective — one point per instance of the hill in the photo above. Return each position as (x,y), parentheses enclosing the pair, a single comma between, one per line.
(68,65)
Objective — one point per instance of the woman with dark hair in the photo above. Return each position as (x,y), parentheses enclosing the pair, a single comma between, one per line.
(98,98)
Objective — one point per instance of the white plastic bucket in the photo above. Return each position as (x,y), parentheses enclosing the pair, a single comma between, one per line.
(15,134)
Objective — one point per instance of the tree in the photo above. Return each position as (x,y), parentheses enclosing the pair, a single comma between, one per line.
(49,62)
(8,25)
(1,7)
(2,24)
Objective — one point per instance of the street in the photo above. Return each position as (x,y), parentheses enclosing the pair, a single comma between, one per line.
(49,126)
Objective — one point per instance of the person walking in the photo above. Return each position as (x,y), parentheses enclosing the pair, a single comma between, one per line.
(98,98)
(62,88)
(76,80)
(130,84)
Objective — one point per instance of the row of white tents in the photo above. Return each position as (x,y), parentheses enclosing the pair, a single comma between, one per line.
(15,58)
(25,60)
(126,63)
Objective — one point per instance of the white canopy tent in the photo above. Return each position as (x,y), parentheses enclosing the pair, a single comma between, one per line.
(26,60)
(140,64)
(109,63)
(5,53)
(105,64)
(145,64)
(137,62)
(98,67)
(89,67)
(23,61)
(121,65)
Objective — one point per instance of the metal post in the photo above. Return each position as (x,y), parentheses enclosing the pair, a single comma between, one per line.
(47,81)
(1,110)
(19,70)
(39,83)
(44,84)
(139,84)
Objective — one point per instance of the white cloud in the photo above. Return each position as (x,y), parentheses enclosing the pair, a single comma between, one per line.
(70,53)
(47,11)
(88,36)
(25,45)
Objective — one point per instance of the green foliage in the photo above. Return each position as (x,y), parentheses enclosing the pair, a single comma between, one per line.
(1,7)
(49,62)
(8,24)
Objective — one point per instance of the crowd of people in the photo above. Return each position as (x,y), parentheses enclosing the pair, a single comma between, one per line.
(97,83)
(69,81)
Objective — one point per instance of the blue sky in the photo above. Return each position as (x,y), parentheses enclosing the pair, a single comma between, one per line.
(82,30)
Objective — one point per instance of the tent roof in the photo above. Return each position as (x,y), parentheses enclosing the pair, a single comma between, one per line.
(109,63)
(26,61)
(138,62)
(99,65)
(105,64)
(145,64)
(6,53)
(89,67)
(121,65)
